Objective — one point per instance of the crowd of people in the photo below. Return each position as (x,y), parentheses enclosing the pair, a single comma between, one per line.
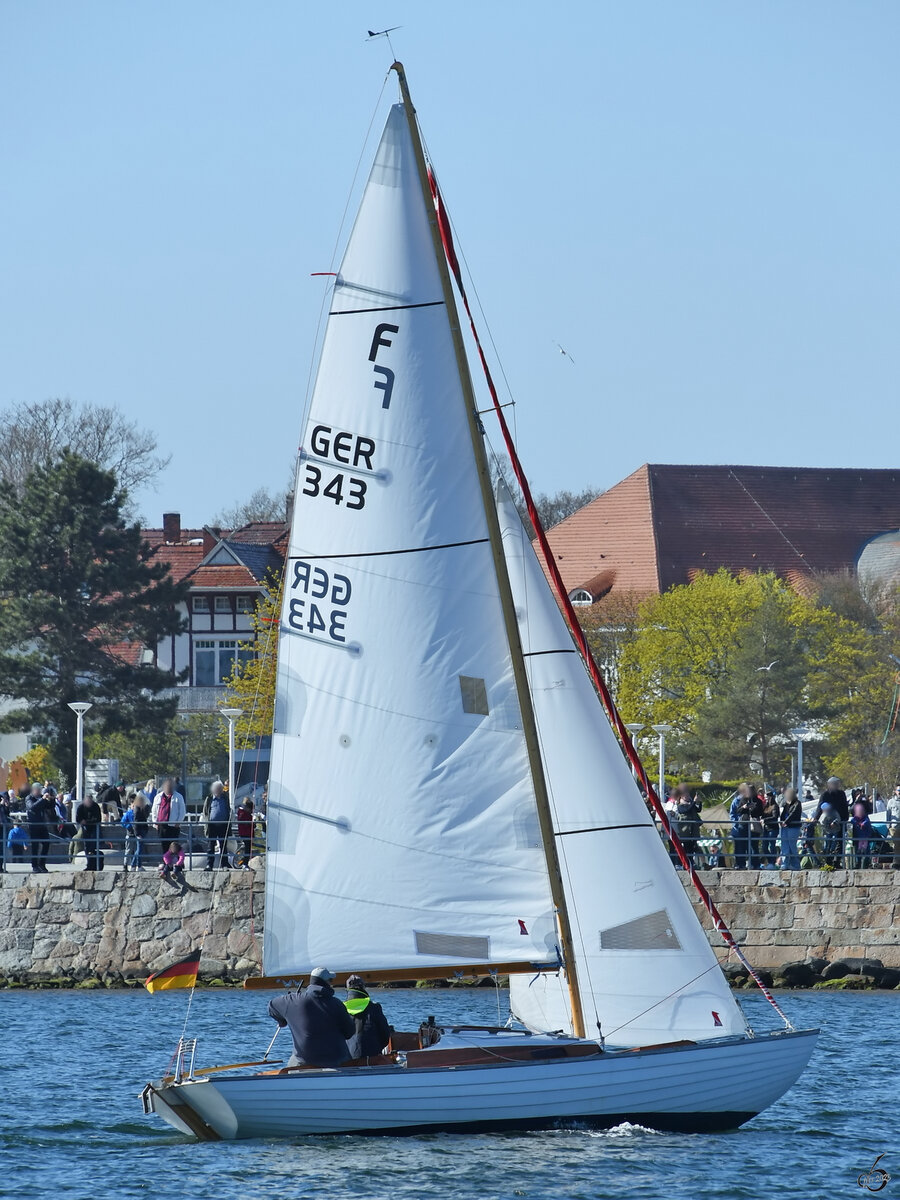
(152,820)
(783,831)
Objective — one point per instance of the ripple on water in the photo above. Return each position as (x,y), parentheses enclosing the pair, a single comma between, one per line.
(72,1128)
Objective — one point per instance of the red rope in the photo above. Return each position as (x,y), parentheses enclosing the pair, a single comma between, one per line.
(569,612)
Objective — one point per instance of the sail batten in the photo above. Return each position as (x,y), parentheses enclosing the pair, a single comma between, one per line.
(400,774)
(647,973)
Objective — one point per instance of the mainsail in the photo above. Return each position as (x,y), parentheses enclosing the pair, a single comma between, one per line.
(402,808)
(646,971)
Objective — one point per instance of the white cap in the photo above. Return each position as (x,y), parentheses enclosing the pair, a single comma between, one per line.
(322,973)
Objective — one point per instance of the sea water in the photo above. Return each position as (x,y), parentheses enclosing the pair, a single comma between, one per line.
(71,1126)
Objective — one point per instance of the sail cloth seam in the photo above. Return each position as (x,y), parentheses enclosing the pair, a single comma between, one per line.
(571,618)
(538,653)
(606,828)
(349,312)
(388,553)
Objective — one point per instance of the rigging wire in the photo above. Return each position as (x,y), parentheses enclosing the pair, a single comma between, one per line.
(572,620)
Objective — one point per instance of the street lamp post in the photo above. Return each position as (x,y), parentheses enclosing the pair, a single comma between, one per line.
(800,733)
(231,715)
(79,708)
(634,728)
(662,730)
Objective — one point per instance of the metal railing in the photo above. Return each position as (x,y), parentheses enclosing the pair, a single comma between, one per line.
(720,844)
(107,845)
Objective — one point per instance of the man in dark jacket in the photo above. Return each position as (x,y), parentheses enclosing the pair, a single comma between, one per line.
(88,818)
(372,1029)
(319,1023)
(834,795)
(41,814)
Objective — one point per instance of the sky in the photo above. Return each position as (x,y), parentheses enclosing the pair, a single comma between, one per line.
(697,200)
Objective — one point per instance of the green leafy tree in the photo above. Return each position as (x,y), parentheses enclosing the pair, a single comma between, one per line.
(251,686)
(77,590)
(144,754)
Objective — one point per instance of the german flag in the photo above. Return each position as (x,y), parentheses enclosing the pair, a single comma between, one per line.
(182,974)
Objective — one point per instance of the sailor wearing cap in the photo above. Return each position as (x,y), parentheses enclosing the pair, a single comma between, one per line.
(319,1023)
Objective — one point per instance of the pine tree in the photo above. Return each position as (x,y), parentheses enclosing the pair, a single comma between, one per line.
(77,592)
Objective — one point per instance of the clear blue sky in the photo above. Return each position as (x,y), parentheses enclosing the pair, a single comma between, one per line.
(698,200)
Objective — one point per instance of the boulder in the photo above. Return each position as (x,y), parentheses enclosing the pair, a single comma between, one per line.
(816,964)
(836,970)
(799,974)
(850,983)
(735,972)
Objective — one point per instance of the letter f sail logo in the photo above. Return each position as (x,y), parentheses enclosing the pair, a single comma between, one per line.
(717,1020)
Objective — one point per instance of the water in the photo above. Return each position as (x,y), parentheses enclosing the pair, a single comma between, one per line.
(71,1127)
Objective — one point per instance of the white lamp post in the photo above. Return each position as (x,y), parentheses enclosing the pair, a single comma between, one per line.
(79,708)
(634,728)
(662,730)
(800,733)
(231,715)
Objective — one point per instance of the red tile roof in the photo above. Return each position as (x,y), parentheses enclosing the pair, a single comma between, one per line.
(663,524)
(260,533)
(225,575)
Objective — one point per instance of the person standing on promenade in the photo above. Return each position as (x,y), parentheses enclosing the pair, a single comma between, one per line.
(892,818)
(244,820)
(88,818)
(168,812)
(770,819)
(216,818)
(41,813)
(790,819)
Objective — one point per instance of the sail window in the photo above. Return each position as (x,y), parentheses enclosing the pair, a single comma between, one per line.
(652,932)
(452,945)
(474,695)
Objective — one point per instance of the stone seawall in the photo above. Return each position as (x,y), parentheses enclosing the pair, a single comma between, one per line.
(78,926)
(779,917)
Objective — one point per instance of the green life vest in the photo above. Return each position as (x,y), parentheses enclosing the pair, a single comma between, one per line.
(356,1007)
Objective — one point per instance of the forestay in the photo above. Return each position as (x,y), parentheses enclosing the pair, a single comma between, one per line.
(645,967)
(401,801)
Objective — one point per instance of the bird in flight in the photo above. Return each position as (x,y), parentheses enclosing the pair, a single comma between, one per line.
(565,353)
(769,667)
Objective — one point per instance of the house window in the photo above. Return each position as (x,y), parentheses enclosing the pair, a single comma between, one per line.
(244,604)
(581,597)
(223,604)
(200,604)
(214,659)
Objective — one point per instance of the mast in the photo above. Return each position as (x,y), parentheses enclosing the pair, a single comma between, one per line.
(548,840)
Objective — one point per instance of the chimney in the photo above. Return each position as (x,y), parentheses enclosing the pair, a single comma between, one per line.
(172,528)
(210,537)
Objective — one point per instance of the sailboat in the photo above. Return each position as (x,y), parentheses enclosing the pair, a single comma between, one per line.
(447,794)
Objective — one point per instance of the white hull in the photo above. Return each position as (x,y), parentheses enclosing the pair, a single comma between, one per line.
(692,1088)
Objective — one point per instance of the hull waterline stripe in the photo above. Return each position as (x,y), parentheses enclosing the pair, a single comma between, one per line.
(349,312)
(387,553)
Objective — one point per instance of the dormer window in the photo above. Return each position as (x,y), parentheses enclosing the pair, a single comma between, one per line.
(223,604)
(200,604)
(244,604)
(581,597)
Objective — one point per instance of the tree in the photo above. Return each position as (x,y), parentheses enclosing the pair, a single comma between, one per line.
(252,683)
(611,625)
(550,508)
(33,436)
(145,754)
(79,599)
(262,505)
(733,664)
